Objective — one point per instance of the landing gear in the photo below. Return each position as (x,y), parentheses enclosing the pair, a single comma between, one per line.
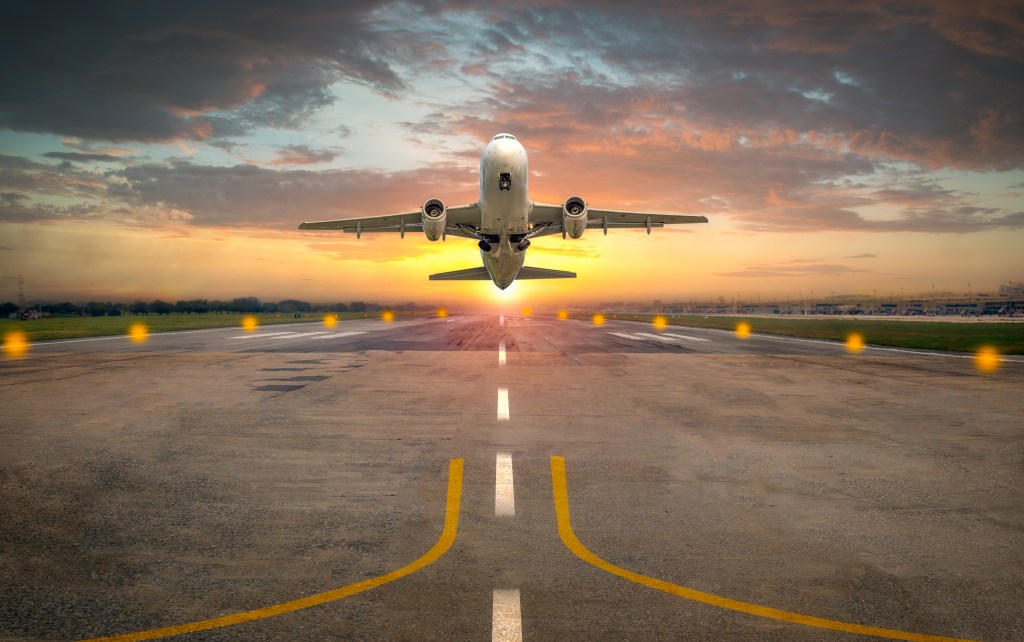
(484,245)
(525,243)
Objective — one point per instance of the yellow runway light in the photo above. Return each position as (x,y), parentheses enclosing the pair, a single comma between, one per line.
(442,312)
(598,319)
(15,345)
(527,311)
(743,330)
(330,320)
(249,323)
(660,322)
(138,333)
(987,359)
(563,315)
(387,316)
(854,343)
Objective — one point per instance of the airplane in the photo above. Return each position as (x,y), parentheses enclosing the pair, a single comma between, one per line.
(503,220)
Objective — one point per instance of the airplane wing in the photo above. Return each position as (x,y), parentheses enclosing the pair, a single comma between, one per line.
(551,215)
(402,222)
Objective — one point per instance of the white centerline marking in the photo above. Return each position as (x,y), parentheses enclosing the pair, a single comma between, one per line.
(501,353)
(501,321)
(507,617)
(503,404)
(504,489)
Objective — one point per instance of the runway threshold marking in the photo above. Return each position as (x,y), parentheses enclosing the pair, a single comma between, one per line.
(451,525)
(501,353)
(506,616)
(624,335)
(659,337)
(685,336)
(504,487)
(335,335)
(561,497)
(265,335)
(503,404)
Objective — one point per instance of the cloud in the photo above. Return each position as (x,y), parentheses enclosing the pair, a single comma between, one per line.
(302,155)
(80,157)
(185,70)
(788,270)
(866,255)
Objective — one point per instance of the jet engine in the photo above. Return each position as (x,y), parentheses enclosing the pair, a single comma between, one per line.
(574,216)
(434,214)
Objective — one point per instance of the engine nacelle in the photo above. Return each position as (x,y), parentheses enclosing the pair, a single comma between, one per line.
(434,215)
(574,216)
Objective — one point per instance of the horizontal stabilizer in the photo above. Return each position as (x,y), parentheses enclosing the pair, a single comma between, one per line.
(470,274)
(543,273)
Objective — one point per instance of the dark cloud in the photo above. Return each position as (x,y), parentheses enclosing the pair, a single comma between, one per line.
(250,196)
(127,71)
(84,157)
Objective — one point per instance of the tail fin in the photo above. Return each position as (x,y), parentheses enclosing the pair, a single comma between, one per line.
(480,274)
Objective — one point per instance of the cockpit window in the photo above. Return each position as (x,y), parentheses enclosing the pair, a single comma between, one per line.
(508,136)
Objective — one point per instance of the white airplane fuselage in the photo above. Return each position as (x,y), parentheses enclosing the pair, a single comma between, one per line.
(504,208)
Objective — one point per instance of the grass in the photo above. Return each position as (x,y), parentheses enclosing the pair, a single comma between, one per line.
(1006,338)
(79,327)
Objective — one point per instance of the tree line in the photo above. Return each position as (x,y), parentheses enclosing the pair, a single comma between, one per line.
(243,305)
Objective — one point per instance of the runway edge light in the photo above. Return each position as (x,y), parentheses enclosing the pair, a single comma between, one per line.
(15,344)
(743,330)
(854,343)
(138,333)
(987,359)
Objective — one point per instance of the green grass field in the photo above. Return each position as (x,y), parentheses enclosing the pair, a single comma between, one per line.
(78,327)
(1007,338)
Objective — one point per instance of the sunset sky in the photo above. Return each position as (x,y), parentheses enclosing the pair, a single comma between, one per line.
(171,149)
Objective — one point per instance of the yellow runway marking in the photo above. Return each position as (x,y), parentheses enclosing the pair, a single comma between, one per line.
(569,538)
(451,524)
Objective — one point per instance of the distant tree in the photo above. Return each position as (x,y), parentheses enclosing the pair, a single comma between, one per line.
(160,307)
(340,307)
(66,307)
(7,309)
(138,307)
(269,308)
(194,306)
(357,306)
(294,305)
(245,304)
(102,309)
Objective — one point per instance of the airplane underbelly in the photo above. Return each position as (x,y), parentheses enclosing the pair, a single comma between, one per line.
(504,197)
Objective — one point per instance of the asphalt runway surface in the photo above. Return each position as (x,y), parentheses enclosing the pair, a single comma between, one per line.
(415,481)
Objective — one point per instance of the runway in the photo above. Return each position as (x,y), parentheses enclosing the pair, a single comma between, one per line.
(415,480)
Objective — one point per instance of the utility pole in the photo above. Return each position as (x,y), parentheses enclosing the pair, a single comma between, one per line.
(21,290)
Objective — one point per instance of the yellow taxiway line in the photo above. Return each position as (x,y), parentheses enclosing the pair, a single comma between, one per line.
(451,524)
(569,538)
